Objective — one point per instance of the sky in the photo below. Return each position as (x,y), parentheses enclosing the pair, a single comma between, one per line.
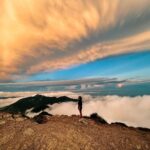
(67,40)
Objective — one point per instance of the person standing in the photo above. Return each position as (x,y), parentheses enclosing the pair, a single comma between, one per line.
(80,106)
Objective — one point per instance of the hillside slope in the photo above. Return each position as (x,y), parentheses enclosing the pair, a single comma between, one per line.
(69,133)
(37,103)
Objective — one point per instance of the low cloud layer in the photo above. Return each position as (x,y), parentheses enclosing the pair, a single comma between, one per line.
(48,35)
(134,111)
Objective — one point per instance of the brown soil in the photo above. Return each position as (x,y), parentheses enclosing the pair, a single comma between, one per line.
(69,133)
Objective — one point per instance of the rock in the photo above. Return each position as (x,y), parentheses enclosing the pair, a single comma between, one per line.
(7,115)
(147,147)
(10,119)
(16,116)
(119,124)
(1,117)
(97,118)
(25,146)
(143,129)
(138,147)
(45,113)
(28,131)
(82,120)
(2,122)
(42,117)
(19,119)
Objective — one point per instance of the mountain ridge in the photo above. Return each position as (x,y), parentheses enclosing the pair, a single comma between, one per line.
(37,103)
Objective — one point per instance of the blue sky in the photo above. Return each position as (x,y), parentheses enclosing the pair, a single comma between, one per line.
(124,75)
(132,65)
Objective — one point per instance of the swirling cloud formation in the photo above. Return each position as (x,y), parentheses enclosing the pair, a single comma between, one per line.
(37,35)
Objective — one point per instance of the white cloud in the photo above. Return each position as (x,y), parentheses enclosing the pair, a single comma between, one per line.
(134,111)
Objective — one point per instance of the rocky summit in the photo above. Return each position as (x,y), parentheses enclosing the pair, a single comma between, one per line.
(69,133)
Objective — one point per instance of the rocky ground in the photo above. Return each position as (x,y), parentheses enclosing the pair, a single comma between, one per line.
(68,133)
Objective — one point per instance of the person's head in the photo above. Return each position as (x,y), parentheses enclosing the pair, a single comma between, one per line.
(80,98)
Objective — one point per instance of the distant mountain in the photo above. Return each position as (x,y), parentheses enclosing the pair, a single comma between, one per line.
(2,97)
(37,102)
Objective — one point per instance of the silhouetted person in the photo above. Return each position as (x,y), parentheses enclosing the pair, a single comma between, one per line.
(80,106)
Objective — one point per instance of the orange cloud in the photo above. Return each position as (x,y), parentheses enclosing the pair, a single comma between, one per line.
(134,43)
(48,35)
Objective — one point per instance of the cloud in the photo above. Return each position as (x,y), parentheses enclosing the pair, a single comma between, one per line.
(82,85)
(8,101)
(49,35)
(134,111)
(120,85)
(7,98)
(92,86)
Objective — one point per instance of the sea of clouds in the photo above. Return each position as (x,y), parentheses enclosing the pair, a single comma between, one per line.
(133,111)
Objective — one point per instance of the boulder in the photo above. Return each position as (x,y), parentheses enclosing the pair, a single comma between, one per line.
(42,117)
(97,118)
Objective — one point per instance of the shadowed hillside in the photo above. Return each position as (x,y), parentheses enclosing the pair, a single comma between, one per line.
(37,103)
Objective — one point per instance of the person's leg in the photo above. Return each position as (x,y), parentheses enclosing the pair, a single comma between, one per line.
(80,113)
